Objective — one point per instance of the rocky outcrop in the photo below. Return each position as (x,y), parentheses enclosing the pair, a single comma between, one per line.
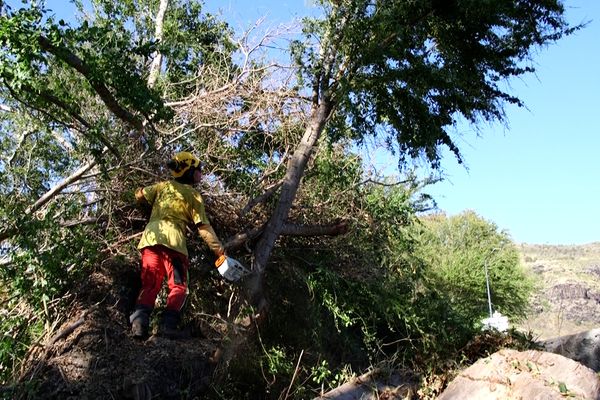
(510,374)
(567,299)
(571,291)
(583,347)
(573,301)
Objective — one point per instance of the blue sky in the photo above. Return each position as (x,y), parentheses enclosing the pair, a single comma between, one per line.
(537,177)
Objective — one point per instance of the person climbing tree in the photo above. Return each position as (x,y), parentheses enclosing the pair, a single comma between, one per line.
(175,205)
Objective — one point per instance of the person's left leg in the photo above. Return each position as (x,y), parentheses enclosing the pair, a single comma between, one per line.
(177,278)
(152,274)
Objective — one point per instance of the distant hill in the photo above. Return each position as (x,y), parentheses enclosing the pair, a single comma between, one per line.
(567,299)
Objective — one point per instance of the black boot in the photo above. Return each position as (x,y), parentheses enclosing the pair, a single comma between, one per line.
(140,321)
(168,324)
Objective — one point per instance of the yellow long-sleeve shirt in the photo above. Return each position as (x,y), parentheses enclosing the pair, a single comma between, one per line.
(174,206)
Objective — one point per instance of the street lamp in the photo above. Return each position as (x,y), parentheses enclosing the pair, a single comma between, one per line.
(487,281)
(496,320)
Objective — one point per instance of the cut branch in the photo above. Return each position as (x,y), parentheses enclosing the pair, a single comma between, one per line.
(69,329)
(336,229)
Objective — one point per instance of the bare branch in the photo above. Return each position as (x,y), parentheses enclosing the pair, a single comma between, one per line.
(260,199)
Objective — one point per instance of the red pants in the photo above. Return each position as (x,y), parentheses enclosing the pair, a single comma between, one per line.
(158,261)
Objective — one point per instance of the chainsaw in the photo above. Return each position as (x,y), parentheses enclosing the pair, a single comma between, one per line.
(231,269)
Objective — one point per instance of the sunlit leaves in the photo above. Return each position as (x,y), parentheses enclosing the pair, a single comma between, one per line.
(408,71)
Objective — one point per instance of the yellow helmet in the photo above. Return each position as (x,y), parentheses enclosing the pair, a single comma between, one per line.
(181,162)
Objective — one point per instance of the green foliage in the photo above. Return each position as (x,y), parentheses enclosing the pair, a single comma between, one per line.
(275,362)
(35,51)
(460,249)
(393,288)
(45,260)
(191,38)
(402,70)
(408,70)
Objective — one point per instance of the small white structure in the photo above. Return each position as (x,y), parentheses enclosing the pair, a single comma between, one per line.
(497,321)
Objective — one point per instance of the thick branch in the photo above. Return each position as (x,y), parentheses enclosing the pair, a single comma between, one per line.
(60,186)
(240,239)
(101,89)
(336,229)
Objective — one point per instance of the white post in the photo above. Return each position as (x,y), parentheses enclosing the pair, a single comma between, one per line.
(487,284)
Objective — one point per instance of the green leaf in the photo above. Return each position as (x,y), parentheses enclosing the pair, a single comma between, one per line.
(563,388)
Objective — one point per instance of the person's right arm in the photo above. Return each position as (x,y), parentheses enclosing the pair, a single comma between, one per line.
(209,236)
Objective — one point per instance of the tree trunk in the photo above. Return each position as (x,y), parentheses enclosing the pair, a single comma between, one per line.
(289,188)
(158,35)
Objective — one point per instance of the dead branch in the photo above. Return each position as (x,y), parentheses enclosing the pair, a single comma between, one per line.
(260,199)
(69,329)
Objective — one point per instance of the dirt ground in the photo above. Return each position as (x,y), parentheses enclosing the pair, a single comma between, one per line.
(92,355)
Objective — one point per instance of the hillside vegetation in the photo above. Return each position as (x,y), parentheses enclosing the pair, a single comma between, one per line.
(349,269)
(567,295)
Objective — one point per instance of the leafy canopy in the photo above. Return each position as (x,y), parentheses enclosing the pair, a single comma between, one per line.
(408,70)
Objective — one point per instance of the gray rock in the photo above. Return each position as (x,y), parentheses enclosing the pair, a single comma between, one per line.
(565,291)
(582,347)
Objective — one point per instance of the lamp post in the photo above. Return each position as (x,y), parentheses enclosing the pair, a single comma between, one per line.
(487,285)
(487,281)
